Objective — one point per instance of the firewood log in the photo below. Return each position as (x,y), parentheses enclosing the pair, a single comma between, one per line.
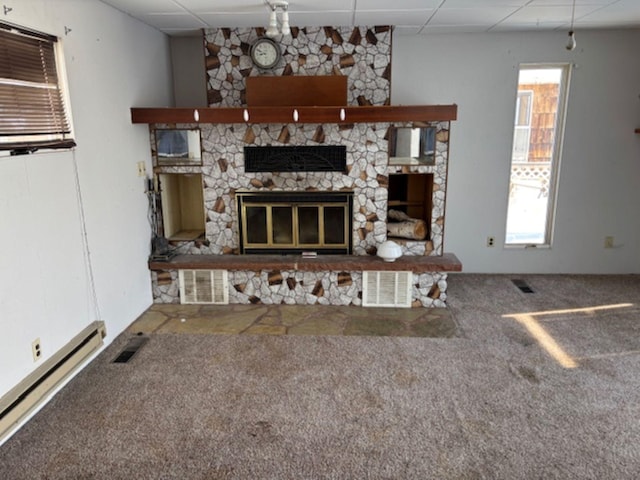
(413,229)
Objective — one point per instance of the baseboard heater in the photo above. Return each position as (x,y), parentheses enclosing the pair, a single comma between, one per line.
(32,391)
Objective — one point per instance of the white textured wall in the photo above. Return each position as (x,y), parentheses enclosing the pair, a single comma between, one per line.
(113,63)
(600,167)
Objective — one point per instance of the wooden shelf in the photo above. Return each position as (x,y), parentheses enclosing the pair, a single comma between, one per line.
(400,203)
(321,114)
(447,262)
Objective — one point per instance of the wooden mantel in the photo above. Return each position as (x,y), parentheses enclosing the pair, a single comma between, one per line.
(305,114)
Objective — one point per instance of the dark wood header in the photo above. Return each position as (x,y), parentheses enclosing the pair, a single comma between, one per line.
(286,114)
(326,90)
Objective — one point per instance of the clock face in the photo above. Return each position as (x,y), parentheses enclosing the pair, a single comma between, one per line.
(265,53)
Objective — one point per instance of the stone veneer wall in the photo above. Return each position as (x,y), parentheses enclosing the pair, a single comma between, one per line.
(368,177)
(361,53)
(303,288)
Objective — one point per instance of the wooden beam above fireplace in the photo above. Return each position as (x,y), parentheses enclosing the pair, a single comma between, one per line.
(301,114)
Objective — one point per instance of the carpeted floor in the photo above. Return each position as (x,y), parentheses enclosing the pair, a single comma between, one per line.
(540,385)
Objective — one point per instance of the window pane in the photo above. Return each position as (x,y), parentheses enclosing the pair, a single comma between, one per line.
(256,225)
(539,112)
(334,225)
(282,225)
(308,230)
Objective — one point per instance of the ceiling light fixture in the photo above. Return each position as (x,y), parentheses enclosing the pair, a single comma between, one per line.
(285,29)
(571,43)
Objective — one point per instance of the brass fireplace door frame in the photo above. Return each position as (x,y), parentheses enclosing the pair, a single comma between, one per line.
(293,244)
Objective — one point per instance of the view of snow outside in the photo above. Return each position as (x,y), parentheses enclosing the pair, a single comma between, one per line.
(528,207)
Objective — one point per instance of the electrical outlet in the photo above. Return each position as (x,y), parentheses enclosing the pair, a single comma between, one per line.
(142,169)
(491,241)
(36,349)
(608,242)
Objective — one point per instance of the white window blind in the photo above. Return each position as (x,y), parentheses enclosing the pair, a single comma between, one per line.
(32,106)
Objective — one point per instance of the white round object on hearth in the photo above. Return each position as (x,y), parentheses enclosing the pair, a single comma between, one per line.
(389,251)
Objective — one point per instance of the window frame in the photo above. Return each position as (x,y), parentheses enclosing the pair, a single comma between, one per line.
(23,85)
(523,127)
(556,158)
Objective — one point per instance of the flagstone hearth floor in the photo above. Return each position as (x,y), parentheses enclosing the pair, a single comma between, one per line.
(296,320)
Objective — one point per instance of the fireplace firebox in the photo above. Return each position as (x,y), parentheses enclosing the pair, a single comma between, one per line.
(295,222)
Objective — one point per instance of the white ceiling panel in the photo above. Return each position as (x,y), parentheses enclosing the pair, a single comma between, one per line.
(143,7)
(525,26)
(470,16)
(230,20)
(173,20)
(406,30)
(453,29)
(552,13)
(624,11)
(547,3)
(223,5)
(437,16)
(320,19)
(482,4)
(395,17)
(402,5)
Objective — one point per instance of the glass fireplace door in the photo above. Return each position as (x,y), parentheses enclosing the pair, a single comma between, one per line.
(283,227)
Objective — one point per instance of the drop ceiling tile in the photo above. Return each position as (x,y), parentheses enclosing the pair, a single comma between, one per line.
(235,20)
(394,17)
(454,29)
(481,4)
(406,29)
(143,7)
(549,14)
(471,16)
(172,20)
(212,6)
(527,26)
(397,4)
(546,3)
(624,11)
(320,19)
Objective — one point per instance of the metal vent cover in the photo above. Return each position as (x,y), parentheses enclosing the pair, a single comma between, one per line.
(386,289)
(131,348)
(312,158)
(204,286)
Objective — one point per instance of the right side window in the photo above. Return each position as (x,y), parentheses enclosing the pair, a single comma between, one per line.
(537,143)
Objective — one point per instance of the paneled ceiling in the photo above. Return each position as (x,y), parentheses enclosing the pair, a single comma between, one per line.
(410,17)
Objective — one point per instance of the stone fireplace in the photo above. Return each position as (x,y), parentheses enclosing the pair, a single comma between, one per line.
(337,204)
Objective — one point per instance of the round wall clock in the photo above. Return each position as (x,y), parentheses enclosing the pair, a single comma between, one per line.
(265,53)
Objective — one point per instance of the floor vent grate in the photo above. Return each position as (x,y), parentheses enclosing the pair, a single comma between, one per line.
(134,345)
(204,286)
(523,286)
(386,289)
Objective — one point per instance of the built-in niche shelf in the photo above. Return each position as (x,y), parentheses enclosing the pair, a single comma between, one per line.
(301,114)
(177,147)
(182,199)
(411,194)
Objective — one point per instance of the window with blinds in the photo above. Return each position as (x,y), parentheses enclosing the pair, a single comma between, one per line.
(33,113)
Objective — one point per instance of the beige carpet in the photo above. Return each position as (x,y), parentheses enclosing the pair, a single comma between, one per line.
(494,403)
